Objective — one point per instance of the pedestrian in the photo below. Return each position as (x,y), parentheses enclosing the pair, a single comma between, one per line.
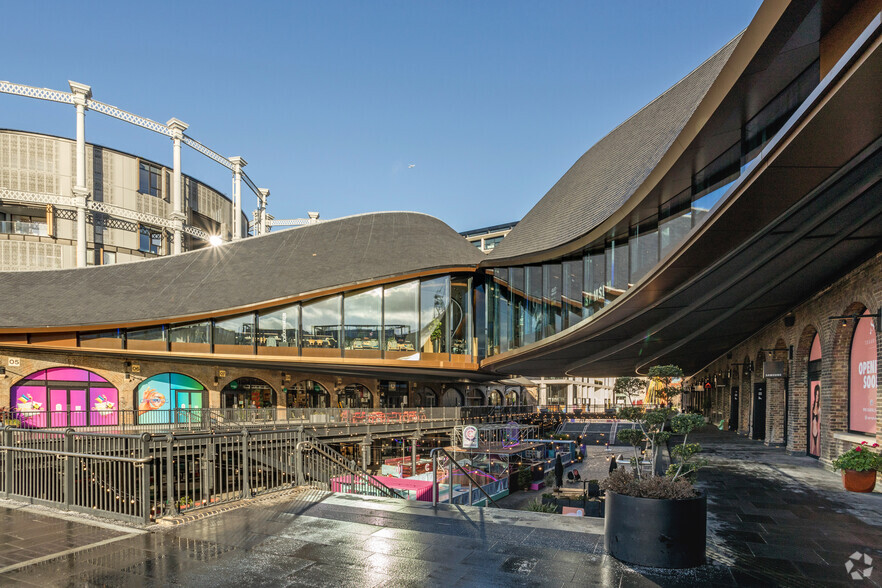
(558,472)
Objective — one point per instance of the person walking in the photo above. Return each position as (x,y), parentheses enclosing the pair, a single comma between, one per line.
(558,472)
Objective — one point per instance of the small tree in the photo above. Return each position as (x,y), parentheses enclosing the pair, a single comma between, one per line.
(629,388)
(688,464)
(664,376)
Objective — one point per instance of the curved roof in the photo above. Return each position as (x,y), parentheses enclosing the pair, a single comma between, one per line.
(609,173)
(241,274)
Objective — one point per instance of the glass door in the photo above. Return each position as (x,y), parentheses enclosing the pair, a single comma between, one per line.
(58,407)
(78,408)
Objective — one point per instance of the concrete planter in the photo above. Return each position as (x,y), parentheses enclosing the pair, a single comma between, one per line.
(656,533)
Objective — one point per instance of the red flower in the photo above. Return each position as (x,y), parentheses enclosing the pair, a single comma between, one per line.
(863,442)
(858,448)
(875,445)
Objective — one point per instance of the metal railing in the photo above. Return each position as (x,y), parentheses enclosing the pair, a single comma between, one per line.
(452,463)
(77,471)
(324,468)
(318,420)
(200,470)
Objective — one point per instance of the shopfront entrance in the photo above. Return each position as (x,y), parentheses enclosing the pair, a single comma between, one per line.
(759,411)
(733,409)
(248,393)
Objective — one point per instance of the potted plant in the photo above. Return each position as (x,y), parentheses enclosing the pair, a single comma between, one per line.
(654,516)
(859,466)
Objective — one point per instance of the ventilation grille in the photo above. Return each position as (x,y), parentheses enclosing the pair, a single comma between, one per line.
(27,255)
(29,163)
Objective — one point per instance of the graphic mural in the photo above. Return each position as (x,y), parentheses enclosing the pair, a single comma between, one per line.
(814,429)
(169,397)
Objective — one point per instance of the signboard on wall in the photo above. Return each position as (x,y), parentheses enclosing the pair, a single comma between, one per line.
(774,369)
(862,379)
(470,437)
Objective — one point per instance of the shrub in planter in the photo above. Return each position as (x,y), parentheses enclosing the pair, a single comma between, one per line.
(540,506)
(653,519)
(859,466)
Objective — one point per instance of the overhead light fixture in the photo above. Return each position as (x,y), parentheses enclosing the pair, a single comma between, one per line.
(215,240)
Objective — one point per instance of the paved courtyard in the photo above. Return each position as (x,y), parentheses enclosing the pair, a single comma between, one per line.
(774,520)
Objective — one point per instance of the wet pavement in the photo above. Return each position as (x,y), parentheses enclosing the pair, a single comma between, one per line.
(774,519)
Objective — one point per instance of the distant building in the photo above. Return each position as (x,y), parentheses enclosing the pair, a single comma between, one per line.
(487,238)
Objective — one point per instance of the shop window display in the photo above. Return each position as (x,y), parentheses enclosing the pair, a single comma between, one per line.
(169,397)
(65,397)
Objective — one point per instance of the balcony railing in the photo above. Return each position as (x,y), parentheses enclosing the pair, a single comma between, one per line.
(24,228)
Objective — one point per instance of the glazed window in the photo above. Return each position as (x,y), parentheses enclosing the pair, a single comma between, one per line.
(320,327)
(234,335)
(401,319)
(149,179)
(277,331)
(151,240)
(362,314)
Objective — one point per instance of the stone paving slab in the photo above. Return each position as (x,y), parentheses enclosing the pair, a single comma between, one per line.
(774,520)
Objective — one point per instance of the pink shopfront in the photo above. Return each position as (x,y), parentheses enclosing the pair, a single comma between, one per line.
(65,397)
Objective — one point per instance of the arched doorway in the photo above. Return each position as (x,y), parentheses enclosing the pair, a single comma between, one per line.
(813,443)
(169,397)
(494,398)
(758,400)
(452,397)
(428,398)
(307,394)
(355,396)
(248,393)
(393,394)
(862,376)
(65,397)
(475,396)
(511,398)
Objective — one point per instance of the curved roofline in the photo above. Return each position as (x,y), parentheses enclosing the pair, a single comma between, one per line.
(749,41)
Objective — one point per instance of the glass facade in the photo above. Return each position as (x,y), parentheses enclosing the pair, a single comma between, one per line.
(364,323)
(431,319)
(234,335)
(401,319)
(320,323)
(277,331)
(434,320)
(191,338)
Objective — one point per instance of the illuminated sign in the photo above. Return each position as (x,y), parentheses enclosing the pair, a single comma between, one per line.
(470,437)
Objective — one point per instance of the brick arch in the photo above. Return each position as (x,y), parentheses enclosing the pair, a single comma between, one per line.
(798,407)
(834,361)
(277,394)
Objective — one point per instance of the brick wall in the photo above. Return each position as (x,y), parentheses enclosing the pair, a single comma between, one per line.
(857,291)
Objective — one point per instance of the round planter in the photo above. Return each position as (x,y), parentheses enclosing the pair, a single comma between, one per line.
(656,533)
(855,481)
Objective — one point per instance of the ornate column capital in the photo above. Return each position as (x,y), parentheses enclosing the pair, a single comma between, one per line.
(238,163)
(81,93)
(178,127)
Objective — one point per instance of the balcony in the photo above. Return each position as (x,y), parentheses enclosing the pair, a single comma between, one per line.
(24,228)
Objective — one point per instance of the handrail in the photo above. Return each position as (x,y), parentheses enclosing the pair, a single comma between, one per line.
(338,459)
(450,482)
(147,459)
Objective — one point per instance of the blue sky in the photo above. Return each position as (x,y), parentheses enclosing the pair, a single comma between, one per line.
(331,103)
